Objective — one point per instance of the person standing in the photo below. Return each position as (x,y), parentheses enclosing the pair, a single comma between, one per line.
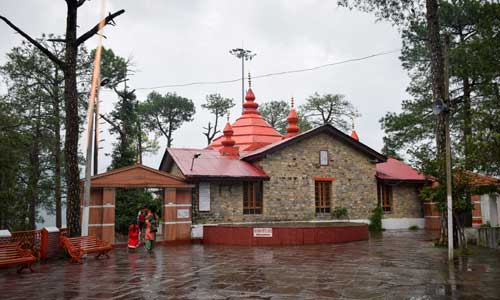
(150,230)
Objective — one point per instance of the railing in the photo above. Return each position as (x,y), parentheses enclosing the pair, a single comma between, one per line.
(29,239)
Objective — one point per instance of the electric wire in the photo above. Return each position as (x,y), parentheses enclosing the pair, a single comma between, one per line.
(272,74)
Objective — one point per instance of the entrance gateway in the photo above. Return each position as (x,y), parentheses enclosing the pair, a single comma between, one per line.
(177,196)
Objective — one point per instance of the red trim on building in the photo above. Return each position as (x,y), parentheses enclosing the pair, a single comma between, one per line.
(324,179)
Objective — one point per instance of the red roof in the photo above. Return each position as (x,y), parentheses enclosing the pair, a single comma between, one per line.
(211,163)
(394,169)
(250,131)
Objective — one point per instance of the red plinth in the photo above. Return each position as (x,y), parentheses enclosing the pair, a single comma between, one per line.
(285,234)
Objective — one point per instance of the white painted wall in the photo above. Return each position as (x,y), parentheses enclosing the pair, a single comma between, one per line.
(403,223)
(490,209)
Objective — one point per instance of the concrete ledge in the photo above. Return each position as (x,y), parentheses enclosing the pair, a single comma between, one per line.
(403,223)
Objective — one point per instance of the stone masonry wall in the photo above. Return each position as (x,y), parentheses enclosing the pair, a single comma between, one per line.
(174,170)
(405,202)
(289,194)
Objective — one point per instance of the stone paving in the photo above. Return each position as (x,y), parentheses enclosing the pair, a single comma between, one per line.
(396,265)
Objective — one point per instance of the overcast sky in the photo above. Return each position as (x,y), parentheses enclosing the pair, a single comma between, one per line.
(175,42)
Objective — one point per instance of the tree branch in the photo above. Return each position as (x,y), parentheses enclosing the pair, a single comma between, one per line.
(45,51)
(108,20)
(57,40)
(80,3)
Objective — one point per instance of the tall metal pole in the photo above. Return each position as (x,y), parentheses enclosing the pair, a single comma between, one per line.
(96,133)
(449,199)
(242,82)
(90,127)
(242,54)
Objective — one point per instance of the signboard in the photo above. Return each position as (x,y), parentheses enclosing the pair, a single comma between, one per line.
(323,158)
(204,204)
(262,232)
(182,213)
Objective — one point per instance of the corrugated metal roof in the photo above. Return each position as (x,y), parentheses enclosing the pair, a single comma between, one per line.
(211,163)
(394,169)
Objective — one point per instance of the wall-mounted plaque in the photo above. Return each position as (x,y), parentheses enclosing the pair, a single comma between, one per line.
(262,232)
(323,158)
(182,213)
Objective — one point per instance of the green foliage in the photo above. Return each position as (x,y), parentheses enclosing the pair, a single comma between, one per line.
(474,76)
(331,109)
(218,107)
(113,67)
(30,124)
(340,213)
(275,113)
(164,114)
(376,220)
(129,202)
(125,119)
(413,227)
(486,225)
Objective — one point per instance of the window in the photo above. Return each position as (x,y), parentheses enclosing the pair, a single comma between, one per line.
(252,197)
(323,158)
(385,197)
(323,196)
(204,196)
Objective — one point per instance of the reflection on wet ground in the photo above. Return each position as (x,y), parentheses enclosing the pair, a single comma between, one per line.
(395,265)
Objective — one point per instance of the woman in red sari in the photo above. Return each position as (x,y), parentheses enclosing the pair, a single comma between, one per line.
(133,236)
(150,230)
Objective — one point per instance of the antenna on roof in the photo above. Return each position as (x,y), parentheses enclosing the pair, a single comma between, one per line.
(195,156)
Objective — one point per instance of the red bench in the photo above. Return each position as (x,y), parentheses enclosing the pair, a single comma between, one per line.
(13,254)
(78,246)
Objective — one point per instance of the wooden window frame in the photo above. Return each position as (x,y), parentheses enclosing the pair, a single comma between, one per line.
(323,195)
(385,197)
(253,196)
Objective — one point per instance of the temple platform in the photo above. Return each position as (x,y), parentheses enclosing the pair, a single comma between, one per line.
(284,234)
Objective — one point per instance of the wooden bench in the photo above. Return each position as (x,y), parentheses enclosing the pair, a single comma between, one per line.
(13,254)
(78,246)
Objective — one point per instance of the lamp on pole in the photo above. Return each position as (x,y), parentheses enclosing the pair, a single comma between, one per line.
(247,55)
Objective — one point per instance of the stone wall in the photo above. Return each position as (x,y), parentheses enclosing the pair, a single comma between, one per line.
(289,194)
(405,202)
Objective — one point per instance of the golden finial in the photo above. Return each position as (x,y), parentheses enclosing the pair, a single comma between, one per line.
(249,80)
(228,113)
(292,101)
(352,119)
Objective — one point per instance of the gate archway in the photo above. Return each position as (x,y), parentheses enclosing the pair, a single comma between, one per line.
(177,196)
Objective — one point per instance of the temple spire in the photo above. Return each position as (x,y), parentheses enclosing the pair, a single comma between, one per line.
(354,135)
(250,106)
(292,129)
(228,143)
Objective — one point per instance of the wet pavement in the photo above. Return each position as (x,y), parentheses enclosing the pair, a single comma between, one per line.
(397,265)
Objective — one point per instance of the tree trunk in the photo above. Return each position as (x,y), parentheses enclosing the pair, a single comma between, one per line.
(72,121)
(467,129)
(34,167)
(437,70)
(57,150)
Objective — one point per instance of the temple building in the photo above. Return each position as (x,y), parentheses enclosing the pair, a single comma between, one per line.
(253,174)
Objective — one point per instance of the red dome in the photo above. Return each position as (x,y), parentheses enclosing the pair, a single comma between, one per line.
(250,131)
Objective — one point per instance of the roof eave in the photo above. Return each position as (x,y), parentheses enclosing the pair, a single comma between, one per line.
(324,128)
